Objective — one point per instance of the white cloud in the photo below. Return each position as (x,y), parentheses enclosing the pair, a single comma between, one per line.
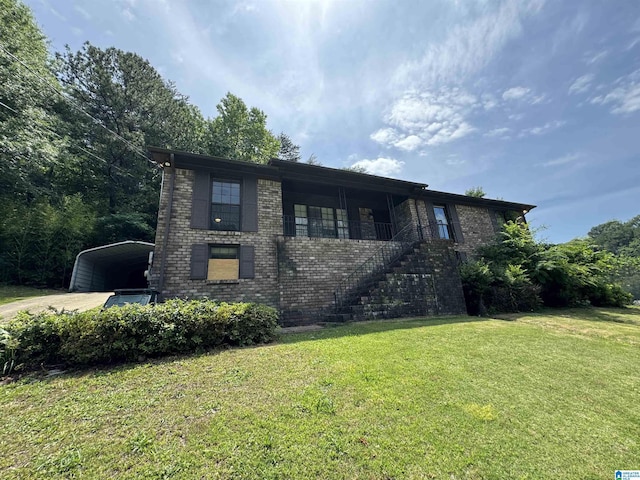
(570,158)
(581,84)
(469,47)
(421,119)
(128,15)
(409,143)
(591,58)
(82,11)
(625,98)
(498,132)
(515,93)
(516,116)
(386,167)
(385,136)
(489,102)
(542,129)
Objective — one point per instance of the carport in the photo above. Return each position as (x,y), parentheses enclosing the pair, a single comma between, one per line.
(105,268)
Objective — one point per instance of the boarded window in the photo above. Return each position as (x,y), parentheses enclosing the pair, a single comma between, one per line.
(224,263)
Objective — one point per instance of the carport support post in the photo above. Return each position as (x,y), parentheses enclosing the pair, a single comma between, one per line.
(167,226)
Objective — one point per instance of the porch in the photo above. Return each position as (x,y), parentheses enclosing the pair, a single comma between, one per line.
(321,211)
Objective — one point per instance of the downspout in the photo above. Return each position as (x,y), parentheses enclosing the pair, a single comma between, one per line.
(167,226)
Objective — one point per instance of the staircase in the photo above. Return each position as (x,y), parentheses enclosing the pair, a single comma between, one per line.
(422,280)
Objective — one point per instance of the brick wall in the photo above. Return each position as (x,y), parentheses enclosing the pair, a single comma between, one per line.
(477,228)
(263,288)
(310,269)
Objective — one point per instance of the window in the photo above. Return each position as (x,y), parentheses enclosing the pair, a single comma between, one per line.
(442,222)
(342,222)
(224,263)
(302,222)
(324,222)
(225,205)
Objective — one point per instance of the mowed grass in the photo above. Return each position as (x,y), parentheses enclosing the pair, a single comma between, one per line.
(551,395)
(13,293)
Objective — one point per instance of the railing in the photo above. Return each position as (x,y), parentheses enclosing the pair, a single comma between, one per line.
(331,228)
(388,253)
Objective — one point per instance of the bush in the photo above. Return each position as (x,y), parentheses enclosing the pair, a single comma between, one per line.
(133,331)
(610,295)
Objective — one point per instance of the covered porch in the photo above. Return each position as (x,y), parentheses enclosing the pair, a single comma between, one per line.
(314,210)
(319,202)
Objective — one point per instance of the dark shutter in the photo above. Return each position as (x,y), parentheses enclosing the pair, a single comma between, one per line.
(201,202)
(431,216)
(250,204)
(457,230)
(247,261)
(199,261)
(494,220)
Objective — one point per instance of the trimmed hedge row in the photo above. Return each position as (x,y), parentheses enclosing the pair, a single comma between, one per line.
(133,331)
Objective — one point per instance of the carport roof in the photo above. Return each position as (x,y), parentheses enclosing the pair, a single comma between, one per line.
(127,251)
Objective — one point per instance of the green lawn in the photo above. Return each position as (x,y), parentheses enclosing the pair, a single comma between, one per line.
(552,395)
(13,293)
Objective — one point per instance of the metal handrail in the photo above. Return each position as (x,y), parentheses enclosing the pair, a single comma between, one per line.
(388,253)
(346,229)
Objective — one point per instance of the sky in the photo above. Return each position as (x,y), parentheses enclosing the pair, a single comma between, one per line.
(535,101)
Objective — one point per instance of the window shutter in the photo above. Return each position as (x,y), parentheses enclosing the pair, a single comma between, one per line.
(431,216)
(247,261)
(201,202)
(457,230)
(250,204)
(199,261)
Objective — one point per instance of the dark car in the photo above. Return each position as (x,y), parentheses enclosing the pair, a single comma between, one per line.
(142,296)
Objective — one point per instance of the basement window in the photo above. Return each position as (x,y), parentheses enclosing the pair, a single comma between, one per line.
(224,262)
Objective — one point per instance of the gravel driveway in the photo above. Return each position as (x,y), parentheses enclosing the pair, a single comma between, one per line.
(68,301)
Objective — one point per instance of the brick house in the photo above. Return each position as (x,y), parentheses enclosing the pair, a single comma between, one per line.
(312,241)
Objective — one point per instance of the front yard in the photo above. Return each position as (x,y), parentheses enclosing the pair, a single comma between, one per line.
(551,395)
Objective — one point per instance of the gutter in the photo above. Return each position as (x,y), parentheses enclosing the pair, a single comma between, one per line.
(167,226)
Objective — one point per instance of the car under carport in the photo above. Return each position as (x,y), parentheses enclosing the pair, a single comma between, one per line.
(110,267)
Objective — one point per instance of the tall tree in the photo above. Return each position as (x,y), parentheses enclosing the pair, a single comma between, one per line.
(288,150)
(120,105)
(240,133)
(28,146)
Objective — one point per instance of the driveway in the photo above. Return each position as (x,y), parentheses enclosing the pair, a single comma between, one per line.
(68,301)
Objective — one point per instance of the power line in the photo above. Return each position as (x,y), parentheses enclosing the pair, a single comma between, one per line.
(73,104)
(8,107)
(124,172)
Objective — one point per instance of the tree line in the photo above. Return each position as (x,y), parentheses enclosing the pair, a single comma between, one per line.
(74,127)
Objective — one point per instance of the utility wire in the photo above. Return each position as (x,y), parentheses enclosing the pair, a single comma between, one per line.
(124,172)
(78,108)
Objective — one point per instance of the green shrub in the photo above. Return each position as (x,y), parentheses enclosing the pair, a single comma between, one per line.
(133,331)
(610,295)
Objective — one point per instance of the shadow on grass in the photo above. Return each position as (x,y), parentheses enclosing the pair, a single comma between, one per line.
(626,315)
(49,373)
(374,326)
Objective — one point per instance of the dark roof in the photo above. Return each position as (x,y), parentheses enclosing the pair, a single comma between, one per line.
(285,170)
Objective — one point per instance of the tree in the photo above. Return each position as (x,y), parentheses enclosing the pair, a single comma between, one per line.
(288,150)
(240,133)
(28,146)
(356,168)
(618,237)
(120,105)
(476,192)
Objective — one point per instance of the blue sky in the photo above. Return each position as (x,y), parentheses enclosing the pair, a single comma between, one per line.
(537,102)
